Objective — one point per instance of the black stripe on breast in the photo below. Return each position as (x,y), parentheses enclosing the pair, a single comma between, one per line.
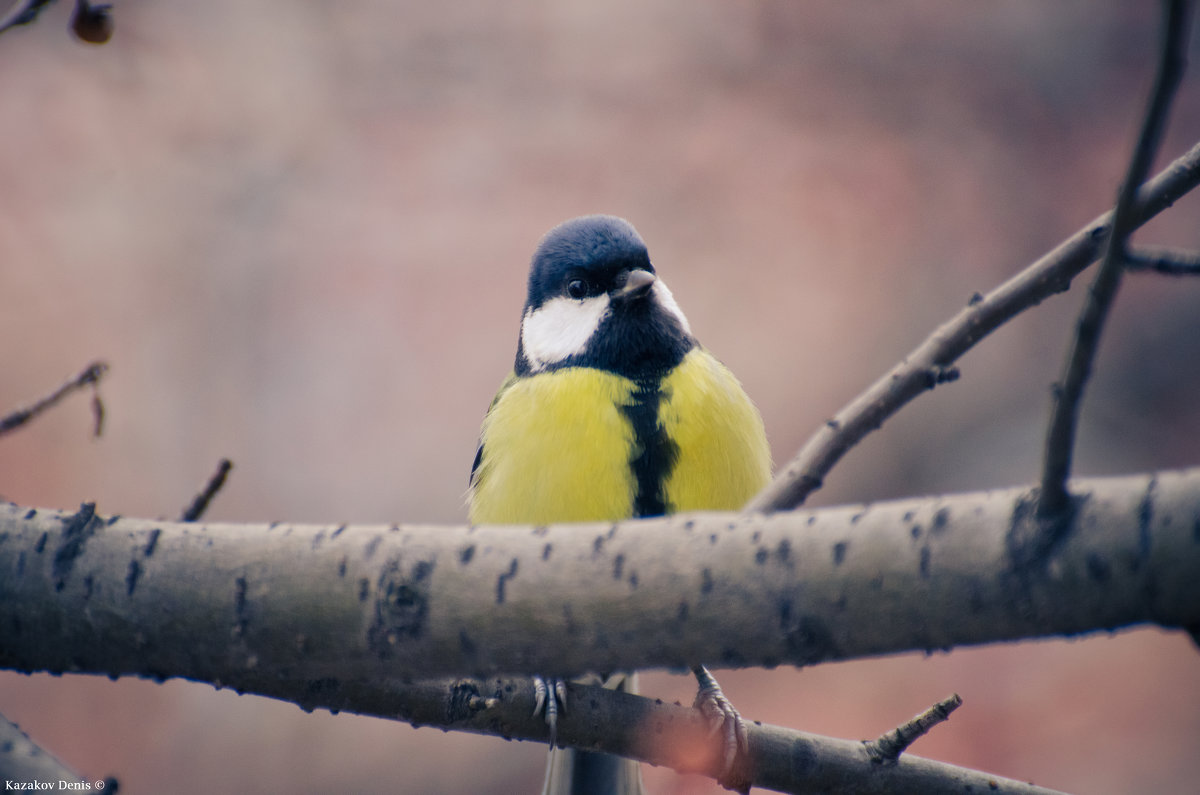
(656,451)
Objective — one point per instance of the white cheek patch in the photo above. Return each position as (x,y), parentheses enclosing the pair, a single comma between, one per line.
(667,302)
(560,328)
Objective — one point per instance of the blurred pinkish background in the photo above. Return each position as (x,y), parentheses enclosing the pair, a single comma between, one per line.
(299,233)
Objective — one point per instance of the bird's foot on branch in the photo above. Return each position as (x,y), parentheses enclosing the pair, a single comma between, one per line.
(723,718)
(550,697)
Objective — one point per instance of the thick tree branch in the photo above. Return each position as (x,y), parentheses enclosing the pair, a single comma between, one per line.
(126,596)
(926,365)
(1068,392)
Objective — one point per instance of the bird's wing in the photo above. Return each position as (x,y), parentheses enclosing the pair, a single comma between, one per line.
(508,381)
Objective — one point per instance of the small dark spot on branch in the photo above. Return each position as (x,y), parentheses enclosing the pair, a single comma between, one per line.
(466,645)
(761,555)
(839,552)
(706,581)
(340,529)
(618,566)
(239,607)
(32,512)
(77,529)
(975,299)
(784,552)
(1098,568)
(466,554)
(342,567)
(1145,516)
(502,581)
(40,546)
(546,550)
(808,640)
(941,521)
(131,576)
(924,565)
(151,542)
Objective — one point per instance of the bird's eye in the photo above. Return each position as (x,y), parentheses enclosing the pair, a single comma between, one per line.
(577,288)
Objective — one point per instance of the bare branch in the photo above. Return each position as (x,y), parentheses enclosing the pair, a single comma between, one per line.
(90,376)
(89,22)
(200,503)
(1068,393)
(422,601)
(640,728)
(919,370)
(1163,260)
(23,12)
(888,746)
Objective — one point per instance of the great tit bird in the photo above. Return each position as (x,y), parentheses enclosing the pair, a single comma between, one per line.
(613,410)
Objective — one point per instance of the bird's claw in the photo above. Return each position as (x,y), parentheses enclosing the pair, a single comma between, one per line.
(724,718)
(550,697)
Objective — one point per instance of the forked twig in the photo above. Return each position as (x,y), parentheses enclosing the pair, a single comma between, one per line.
(91,375)
(1068,392)
(920,369)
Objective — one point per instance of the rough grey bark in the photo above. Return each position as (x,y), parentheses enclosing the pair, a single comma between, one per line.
(81,592)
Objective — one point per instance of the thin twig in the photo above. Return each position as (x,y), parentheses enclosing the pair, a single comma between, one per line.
(23,13)
(888,746)
(1068,393)
(918,371)
(90,376)
(200,504)
(90,22)
(1163,260)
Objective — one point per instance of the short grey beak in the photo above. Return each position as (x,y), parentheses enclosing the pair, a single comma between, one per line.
(637,283)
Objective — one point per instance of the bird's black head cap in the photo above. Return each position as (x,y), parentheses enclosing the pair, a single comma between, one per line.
(599,247)
(596,258)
